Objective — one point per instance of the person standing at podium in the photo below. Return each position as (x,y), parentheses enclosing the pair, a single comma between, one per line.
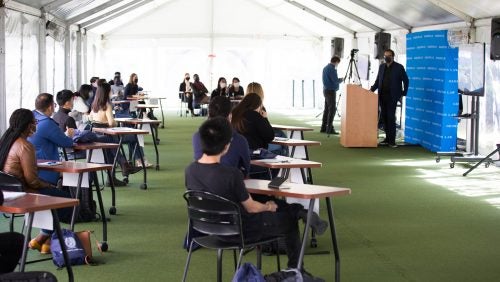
(331,83)
(392,84)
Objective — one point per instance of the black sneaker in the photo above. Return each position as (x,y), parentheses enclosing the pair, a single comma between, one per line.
(116,183)
(318,225)
(393,145)
(383,143)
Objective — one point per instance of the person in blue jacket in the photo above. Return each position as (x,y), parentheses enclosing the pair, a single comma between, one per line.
(331,83)
(392,83)
(48,136)
(238,154)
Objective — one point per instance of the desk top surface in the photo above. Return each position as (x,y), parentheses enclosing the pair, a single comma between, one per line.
(291,127)
(147,106)
(296,190)
(36,202)
(295,142)
(137,121)
(71,166)
(285,162)
(120,102)
(120,131)
(95,145)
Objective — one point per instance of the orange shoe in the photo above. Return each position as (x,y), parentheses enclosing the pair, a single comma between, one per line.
(34,245)
(45,248)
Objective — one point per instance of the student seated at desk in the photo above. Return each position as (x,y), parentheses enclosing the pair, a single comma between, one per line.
(238,154)
(250,120)
(220,90)
(65,101)
(48,137)
(199,93)
(235,90)
(17,157)
(260,220)
(101,115)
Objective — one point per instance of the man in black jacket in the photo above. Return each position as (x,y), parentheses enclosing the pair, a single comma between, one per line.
(392,84)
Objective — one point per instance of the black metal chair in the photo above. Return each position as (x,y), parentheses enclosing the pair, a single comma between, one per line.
(10,183)
(217,217)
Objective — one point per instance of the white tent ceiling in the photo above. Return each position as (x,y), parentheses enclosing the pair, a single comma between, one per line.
(317,18)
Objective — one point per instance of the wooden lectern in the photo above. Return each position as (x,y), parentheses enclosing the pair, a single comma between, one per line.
(359,118)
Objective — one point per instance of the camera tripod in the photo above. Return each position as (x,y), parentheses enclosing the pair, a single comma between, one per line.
(352,64)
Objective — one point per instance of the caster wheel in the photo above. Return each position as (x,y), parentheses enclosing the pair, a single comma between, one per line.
(438,159)
(314,243)
(452,165)
(486,165)
(103,246)
(144,186)
(112,210)
(125,179)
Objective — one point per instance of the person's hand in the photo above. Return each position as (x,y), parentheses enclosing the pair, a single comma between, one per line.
(263,113)
(70,132)
(271,206)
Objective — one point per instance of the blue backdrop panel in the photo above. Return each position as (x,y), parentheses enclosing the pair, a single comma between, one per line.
(432,100)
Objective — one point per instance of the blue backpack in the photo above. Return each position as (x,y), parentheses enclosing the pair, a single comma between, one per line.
(74,248)
(248,273)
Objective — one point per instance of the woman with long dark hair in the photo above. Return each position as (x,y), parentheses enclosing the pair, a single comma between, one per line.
(101,115)
(250,120)
(220,90)
(17,157)
(235,90)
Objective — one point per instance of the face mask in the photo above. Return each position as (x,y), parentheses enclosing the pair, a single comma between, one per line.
(387,59)
(236,85)
(188,78)
(222,85)
(136,80)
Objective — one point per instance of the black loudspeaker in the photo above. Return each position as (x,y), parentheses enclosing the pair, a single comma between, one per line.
(338,47)
(495,39)
(382,43)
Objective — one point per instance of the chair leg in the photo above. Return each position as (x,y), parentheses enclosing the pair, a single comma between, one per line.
(219,265)
(11,223)
(278,256)
(234,259)
(259,257)
(187,261)
(239,258)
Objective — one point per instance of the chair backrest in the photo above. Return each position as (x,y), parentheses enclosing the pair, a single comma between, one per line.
(213,215)
(10,183)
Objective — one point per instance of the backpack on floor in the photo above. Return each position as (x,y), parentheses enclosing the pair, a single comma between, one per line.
(286,275)
(87,209)
(74,248)
(248,273)
(29,276)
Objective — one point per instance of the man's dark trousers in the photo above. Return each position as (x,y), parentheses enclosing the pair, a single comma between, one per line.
(329,110)
(388,116)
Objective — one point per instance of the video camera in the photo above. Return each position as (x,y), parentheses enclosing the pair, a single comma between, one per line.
(354,51)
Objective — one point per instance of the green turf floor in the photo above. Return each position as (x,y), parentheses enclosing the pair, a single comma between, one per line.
(408,218)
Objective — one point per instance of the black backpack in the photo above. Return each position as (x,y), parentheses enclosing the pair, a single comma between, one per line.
(87,209)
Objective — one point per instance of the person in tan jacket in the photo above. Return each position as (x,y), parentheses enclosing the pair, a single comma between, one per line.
(17,158)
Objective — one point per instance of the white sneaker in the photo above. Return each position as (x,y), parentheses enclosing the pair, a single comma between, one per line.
(146,163)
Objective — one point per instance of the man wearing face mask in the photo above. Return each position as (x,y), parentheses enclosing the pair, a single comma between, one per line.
(331,83)
(392,84)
